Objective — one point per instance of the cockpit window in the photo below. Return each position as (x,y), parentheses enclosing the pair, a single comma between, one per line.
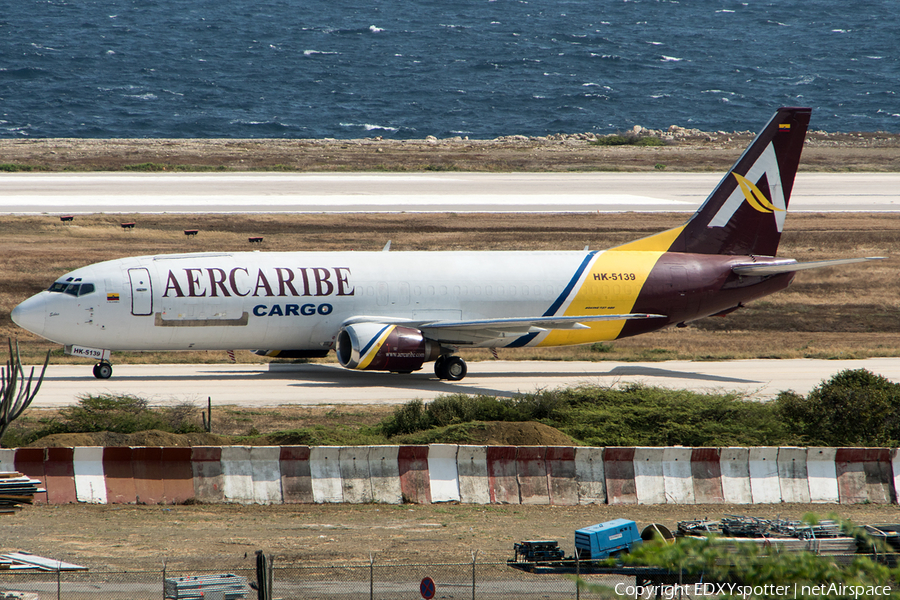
(73,289)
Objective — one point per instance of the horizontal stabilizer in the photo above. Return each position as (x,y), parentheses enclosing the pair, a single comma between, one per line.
(791,266)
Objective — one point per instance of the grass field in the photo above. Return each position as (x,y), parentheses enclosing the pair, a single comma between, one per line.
(837,312)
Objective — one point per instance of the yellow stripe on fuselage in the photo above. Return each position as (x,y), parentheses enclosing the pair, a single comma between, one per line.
(612,286)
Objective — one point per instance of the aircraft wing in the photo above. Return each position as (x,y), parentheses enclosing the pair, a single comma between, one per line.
(482,329)
(790,266)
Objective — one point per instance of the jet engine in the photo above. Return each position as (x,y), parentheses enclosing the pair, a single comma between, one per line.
(382,347)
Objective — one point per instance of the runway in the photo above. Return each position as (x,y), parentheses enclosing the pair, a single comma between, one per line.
(87,193)
(314,384)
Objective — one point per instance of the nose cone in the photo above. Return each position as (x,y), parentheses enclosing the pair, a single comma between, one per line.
(31,315)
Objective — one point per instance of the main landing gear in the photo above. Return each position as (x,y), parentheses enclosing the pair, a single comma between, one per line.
(103,370)
(451,368)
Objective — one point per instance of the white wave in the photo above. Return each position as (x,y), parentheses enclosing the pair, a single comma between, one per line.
(314,52)
(724,10)
(370,127)
(374,29)
(671,58)
(147,96)
(840,31)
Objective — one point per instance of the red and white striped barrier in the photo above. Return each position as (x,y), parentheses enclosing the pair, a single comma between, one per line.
(563,476)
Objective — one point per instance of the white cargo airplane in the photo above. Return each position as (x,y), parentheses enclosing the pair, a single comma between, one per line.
(394,311)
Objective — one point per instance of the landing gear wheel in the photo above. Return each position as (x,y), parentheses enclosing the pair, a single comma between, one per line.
(455,368)
(103,370)
(440,367)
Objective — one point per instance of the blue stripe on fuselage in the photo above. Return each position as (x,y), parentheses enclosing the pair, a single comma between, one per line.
(551,311)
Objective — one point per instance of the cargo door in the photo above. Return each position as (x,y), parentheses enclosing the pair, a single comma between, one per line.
(141,292)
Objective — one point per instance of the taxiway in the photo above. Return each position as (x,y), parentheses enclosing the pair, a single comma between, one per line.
(322,384)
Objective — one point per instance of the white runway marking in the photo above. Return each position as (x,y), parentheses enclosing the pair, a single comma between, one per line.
(83,193)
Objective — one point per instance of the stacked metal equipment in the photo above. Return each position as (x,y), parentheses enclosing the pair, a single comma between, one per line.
(15,490)
(232,587)
(781,535)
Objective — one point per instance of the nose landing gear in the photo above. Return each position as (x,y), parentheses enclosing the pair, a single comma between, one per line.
(451,368)
(103,370)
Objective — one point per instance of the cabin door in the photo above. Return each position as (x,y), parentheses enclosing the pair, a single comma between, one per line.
(141,292)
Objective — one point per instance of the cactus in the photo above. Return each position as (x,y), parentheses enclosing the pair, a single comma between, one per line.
(14,398)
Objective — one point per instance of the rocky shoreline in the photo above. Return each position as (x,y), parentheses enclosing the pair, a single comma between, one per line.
(678,149)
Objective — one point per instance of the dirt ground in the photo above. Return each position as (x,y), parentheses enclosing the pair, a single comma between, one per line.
(683,150)
(226,536)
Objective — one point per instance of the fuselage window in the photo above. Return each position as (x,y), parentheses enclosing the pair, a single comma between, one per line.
(58,287)
(86,288)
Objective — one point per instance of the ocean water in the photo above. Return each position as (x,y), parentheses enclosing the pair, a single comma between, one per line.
(412,68)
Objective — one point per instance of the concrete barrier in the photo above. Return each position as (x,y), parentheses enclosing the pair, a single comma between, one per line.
(821,475)
(793,477)
(7,460)
(864,475)
(590,476)
(384,474)
(561,478)
(764,484)
(443,473)
(415,483)
(502,469)
(60,475)
(237,474)
(206,466)
(355,477)
(296,480)
(30,462)
(471,464)
(87,462)
(531,475)
(265,473)
(146,462)
(895,467)
(178,483)
(618,464)
(325,470)
(119,475)
(735,466)
(649,481)
(677,476)
(706,475)
(472,474)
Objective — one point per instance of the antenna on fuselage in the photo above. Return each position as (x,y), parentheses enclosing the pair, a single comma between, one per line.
(387,247)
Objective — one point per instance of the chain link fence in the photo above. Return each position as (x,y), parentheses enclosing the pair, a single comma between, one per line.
(468,581)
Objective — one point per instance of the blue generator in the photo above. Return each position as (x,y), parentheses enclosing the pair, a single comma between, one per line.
(608,539)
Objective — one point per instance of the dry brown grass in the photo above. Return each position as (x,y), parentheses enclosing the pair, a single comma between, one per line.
(834,312)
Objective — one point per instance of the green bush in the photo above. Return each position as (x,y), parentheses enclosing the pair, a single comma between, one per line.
(125,414)
(633,416)
(627,140)
(853,408)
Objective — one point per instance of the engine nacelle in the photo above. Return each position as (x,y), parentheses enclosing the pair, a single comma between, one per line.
(380,347)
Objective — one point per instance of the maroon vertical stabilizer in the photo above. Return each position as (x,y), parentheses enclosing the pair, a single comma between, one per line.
(745,213)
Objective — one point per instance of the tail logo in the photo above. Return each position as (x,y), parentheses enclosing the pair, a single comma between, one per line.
(754,195)
(746,191)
